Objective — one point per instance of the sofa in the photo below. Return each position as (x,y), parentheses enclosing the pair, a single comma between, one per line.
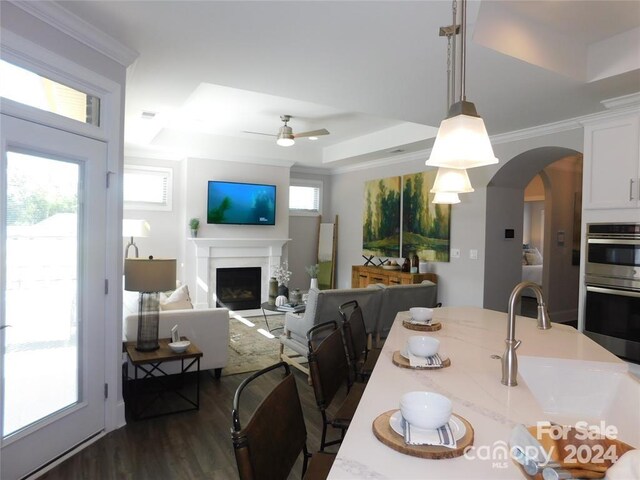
(379,303)
(208,328)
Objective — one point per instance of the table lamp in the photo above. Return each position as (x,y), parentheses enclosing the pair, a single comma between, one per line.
(149,276)
(134,228)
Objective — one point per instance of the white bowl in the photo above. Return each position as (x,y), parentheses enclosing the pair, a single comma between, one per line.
(425,409)
(179,347)
(423,345)
(421,314)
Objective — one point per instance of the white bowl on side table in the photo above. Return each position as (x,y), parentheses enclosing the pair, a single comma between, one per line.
(179,347)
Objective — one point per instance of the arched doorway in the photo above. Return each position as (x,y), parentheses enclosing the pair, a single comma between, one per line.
(505,207)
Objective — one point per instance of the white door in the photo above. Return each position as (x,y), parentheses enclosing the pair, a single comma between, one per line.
(52,276)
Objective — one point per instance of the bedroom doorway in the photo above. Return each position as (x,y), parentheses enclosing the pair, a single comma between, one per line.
(532,241)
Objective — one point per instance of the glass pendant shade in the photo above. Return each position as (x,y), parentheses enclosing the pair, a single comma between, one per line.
(462,140)
(452,180)
(446,198)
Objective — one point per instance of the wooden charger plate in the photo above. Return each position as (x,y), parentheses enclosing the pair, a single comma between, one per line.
(383,432)
(430,327)
(400,361)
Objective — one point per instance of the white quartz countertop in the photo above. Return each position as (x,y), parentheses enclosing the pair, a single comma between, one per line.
(469,337)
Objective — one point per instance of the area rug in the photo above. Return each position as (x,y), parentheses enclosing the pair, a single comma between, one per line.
(250,350)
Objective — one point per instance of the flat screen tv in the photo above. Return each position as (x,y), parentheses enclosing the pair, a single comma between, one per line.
(231,203)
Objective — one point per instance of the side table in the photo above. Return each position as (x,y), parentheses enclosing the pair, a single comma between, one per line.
(273,308)
(148,366)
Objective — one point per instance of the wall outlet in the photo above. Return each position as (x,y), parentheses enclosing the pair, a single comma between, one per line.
(473,254)
(455,253)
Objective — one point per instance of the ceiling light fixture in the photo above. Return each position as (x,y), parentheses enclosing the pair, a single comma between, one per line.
(285,134)
(462,140)
(446,198)
(452,180)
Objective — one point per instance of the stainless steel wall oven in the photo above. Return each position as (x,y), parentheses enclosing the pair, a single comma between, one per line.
(612,278)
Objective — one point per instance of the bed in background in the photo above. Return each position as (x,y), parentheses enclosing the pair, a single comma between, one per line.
(531,267)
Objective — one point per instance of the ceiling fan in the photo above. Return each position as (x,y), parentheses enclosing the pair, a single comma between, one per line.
(286,137)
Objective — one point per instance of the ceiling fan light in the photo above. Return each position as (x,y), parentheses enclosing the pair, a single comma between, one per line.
(447,198)
(452,180)
(285,137)
(462,140)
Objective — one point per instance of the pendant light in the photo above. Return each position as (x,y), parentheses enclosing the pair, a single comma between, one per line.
(446,198)
(452,180)
(462,140)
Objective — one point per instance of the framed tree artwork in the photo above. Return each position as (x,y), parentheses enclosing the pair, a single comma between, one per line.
(381,217)
(425,225)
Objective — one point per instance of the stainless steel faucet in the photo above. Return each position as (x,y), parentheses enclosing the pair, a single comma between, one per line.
(509,359)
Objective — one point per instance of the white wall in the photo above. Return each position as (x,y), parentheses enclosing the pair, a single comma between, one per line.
(303,231)
(197,172)
(461,281)
(167,227)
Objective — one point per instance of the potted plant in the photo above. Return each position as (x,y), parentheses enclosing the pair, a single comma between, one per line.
(312,270)
(194,225)
(282,274)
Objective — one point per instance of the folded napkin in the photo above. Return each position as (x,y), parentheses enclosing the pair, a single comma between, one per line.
(422,362)
(442,436)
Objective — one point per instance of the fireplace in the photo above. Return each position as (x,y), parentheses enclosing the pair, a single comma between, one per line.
(238,288)
(212,254)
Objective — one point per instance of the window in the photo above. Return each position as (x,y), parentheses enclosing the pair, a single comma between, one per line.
(147,188)
(305,197)
(36,91)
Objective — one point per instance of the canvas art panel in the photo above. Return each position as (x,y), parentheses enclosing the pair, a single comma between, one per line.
(425,225)
(381,217)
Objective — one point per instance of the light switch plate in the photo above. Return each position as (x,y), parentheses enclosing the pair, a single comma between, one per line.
(473,254)
(455,253)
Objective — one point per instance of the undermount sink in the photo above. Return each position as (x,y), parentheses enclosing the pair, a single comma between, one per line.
(585,390)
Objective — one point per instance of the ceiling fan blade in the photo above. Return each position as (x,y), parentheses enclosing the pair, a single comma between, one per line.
(312,133)
(260,133)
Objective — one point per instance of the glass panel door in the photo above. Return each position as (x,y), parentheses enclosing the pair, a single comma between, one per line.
(53,204)
(41,289)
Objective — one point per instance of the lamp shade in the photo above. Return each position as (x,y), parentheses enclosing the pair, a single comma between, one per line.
(462,140)
(452,180)
(135,228)
(446,198)
(149,275)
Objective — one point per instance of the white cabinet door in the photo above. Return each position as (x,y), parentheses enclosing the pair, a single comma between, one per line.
(612,163)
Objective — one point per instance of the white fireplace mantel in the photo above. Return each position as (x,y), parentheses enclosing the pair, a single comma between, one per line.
(212,253)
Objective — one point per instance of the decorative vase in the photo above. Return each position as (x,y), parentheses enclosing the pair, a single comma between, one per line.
(273,290)
(295,296)
(283,290)
(314,283)
(194,233)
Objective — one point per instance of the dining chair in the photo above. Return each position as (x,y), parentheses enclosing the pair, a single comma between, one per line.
(272,439)
(362,358)
(329,371)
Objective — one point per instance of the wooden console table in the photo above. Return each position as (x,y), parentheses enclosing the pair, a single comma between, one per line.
(362,276)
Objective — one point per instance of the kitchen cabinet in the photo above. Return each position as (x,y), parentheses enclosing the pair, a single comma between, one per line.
(363,276)
(612,163)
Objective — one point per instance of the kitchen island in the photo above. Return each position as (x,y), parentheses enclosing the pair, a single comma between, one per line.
(471,338)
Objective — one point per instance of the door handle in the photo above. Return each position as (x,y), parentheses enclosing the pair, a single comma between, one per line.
(2,327)
(631,189)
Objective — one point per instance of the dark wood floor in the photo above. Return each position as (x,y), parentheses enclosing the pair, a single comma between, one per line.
(191,445)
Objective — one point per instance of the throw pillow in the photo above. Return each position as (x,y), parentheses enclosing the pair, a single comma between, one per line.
(533,256)
(178,300)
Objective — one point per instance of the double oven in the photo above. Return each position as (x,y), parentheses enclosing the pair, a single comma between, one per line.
(612,278)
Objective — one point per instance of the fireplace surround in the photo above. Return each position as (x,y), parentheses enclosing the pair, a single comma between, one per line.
(214,253)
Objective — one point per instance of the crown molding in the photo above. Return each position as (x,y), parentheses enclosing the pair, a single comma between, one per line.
(70,24)
(631,100)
